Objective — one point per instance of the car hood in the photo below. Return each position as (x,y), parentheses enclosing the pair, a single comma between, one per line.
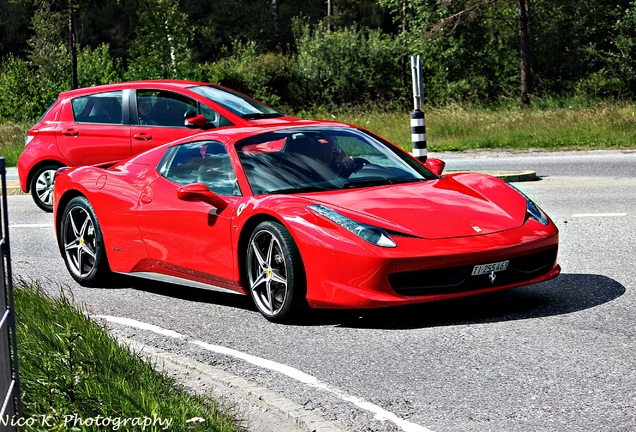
(453,206)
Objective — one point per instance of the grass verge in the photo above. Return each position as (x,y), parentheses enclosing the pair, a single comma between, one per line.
(75,377)
(575,126)
(12,141)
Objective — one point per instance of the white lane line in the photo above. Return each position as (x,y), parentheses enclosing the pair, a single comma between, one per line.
(380,413)
(49,225)
(593,215)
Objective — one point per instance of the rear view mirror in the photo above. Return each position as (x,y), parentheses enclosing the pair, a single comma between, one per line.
(196,121)
(200,192)
(436,166)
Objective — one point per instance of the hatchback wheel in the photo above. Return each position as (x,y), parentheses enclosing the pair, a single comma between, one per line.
(42,187)
(275,272)
(83,245)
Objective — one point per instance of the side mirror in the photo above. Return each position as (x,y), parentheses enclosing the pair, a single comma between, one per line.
(436,166)
(196,121)
(200,192)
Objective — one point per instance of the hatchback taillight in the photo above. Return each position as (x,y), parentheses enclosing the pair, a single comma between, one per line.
(29,136)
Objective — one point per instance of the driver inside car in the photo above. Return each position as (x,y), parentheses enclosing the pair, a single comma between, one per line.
(325,152)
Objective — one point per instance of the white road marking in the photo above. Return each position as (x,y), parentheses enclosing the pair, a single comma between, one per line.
(49,225)
(593,215)
(380,413)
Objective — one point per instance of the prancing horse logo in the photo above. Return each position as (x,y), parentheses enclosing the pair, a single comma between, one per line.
(492,276)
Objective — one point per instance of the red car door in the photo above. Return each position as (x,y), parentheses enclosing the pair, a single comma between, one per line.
(158,117)
(92,129)
(188,237)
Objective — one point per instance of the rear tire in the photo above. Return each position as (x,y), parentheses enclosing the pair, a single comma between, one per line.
(82,244)
(275,272)
(42,187)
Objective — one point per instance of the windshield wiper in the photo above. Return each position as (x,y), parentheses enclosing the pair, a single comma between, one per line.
(299,189)
(258,116)
(378,182)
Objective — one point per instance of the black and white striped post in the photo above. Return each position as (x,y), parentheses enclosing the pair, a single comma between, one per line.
(418,124)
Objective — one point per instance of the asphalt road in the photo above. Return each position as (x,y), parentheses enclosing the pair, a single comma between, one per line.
(557,356)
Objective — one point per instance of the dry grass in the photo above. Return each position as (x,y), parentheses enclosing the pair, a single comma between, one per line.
(12,141)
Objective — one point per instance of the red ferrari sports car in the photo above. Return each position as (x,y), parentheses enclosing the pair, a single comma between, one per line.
(317,214)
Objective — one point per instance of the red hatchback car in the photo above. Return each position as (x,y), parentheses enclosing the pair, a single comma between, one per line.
(112,122)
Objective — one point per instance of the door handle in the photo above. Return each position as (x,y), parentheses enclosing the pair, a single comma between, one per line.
(70,132)
(142,136)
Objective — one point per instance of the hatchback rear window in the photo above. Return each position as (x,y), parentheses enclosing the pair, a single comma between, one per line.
(98,108)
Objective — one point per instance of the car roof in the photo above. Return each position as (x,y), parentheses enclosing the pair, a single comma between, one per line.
(165,84)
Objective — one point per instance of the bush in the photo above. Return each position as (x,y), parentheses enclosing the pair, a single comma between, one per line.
(14,86)
(27,92)
(263,76)
(30,87)
(97,67)
(344,67)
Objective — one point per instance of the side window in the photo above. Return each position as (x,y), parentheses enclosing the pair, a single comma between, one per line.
(98,108)
(163,108)
(204,162)
(211,116)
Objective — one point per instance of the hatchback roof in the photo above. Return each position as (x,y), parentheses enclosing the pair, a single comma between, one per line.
(133,84)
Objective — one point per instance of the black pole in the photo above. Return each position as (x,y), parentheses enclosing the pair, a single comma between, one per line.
(14,390)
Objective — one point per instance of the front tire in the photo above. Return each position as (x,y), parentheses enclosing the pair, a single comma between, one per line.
(42,184)
(82,244)
(275,272)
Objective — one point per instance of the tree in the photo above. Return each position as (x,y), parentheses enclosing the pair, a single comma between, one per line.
(15,17)
(275,19)
(72,43)
(160,49)
(524,52)
(429,18)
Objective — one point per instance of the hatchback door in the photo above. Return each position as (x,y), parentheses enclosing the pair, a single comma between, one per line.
(158,117)
(94,129)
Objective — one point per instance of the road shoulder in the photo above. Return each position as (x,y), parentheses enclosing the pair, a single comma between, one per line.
(258,409)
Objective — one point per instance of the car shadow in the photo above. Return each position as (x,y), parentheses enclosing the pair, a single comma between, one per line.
(566,294)
(186,293)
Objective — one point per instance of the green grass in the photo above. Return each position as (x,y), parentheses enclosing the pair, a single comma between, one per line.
(74,375)
(553,127)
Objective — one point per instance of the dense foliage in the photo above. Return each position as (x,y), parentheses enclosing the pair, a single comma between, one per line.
(290,53)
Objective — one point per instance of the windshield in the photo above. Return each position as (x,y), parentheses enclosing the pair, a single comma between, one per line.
(322,159)
(239,104)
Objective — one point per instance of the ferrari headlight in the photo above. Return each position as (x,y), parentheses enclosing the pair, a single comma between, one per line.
(369,233)
(532,209)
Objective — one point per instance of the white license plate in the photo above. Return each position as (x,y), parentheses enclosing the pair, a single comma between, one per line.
(490,268)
